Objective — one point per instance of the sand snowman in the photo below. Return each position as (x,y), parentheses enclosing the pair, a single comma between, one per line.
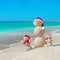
(39,32)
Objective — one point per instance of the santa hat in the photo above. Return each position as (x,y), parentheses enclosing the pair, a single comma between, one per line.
(39,19)
(42,26)
(49,35)
(27,36)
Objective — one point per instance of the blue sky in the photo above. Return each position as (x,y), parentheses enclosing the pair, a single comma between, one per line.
(23,10)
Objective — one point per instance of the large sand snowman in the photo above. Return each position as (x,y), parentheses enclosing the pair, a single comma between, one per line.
(39,32)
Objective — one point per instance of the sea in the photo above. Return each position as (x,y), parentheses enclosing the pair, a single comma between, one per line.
(7,26)
(13,31)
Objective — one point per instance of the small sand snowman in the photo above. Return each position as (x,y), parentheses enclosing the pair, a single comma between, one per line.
(27,41)
(39,32)
(48,40)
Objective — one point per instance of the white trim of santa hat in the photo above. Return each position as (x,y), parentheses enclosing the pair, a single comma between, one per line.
(27,36)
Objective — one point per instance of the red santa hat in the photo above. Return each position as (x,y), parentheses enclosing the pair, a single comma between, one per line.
(39,19)
(27,36)
(49,35)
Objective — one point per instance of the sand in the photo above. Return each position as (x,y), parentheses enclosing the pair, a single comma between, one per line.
(18,52)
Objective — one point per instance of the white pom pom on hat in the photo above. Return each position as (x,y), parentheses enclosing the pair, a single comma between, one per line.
(42,26)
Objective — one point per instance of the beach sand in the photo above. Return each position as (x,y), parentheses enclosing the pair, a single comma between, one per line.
(18,52)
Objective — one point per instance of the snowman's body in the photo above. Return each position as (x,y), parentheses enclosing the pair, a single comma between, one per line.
(38,32)
(39,42)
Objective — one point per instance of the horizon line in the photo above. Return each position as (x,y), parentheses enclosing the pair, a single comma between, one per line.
(33,20)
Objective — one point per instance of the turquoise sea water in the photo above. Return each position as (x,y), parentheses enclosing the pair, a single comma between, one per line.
(21,25)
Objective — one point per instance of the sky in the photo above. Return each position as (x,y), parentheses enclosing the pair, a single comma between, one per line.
(28,10)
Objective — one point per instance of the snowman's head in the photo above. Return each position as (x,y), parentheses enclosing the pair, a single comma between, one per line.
(48,37)
(38,22)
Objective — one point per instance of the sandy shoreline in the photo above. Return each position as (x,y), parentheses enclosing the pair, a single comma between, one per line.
(18,52)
